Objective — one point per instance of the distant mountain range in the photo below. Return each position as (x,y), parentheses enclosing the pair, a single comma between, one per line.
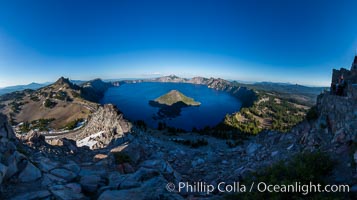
(32,86)
(287,88)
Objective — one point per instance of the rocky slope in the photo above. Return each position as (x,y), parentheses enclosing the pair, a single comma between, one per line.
(60,103)
(106,126)
(140,166)
(94,90)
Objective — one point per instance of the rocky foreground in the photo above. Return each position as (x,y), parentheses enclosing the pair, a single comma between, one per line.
(139,164)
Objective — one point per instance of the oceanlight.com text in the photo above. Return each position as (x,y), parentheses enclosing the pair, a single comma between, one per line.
(237,187)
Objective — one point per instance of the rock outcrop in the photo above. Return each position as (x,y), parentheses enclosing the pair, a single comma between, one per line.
(338,114)
(106,126)
(13,164)
(94,90)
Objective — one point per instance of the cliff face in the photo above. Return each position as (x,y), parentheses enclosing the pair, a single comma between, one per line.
(94,90)
(105,125)
(245,95)
(13,164)
(339,114)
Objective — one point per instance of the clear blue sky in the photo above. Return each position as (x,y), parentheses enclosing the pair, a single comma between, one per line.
(297,41)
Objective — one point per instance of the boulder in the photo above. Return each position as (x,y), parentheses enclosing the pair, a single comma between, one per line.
(34,138)
(197,162)
(30,173)
(67,192)
(46,164)
(64,173)
(251,148)
(115,179)
(3,170)
(42,194)
(128,169)
(157,191)
(99,157)
(14,164)
(72,166)
(90,183)
(135,180)
(49,179)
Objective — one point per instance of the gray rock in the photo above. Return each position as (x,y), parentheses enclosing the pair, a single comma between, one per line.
(225,162)
(197,162)
(274,153)
(290,147)
(14,163)
(86,172)
(90,183)
(141,175)
(46,164)
(115,179)
(3,170)
(110,122)
(128,169)
(67,192)
(33,195)
(64,173)
(72,166)
(252,147)
(157,191)
(30,173)
(49,179)
(75,187)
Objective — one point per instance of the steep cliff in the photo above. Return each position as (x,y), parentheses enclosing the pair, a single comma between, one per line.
(106,125)
(339,114)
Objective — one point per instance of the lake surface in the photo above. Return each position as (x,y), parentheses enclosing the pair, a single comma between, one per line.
(133,101)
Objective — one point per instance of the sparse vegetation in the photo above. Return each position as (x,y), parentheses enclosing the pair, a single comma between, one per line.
(268,112)
(25,127)
(75,94)
(15,106)
(40,125)
(61,95)
(312,114)
(49,104)
(35,98)
(73,124)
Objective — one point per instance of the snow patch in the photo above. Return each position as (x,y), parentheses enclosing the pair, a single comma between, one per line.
(90,140)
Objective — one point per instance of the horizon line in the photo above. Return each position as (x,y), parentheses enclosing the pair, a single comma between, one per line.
(153,77)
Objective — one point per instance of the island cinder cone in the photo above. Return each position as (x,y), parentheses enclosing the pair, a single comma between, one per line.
(174,96)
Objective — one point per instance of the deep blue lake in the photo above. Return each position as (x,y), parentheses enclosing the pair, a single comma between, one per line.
(133,101)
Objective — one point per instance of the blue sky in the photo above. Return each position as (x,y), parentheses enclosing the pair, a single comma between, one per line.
(295,41)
